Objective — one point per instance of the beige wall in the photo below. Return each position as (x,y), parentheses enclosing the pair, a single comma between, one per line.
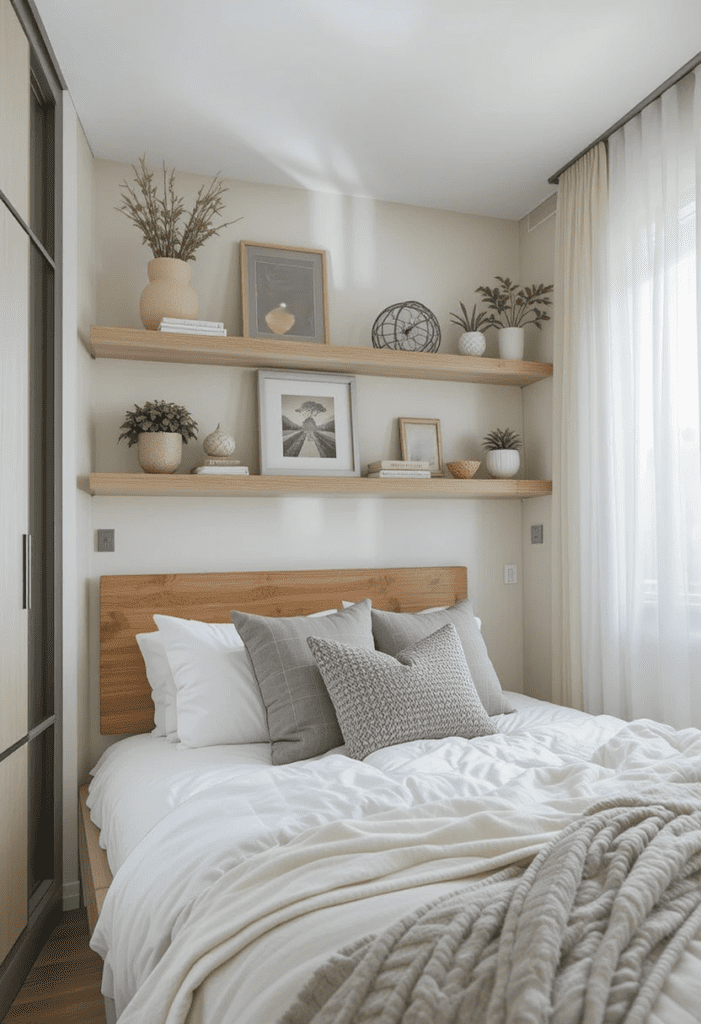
(78,313)
(378,253)
(86,312)
(537,266)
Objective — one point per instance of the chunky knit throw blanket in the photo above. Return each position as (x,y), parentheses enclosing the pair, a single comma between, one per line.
(587,933)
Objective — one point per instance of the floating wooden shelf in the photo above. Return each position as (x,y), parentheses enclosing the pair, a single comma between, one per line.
(201,486)
(157,346)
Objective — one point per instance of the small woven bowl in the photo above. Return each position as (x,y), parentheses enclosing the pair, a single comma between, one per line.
(463,470)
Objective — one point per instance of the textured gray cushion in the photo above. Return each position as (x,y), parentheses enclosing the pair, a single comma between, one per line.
(426,692)
(301,718)
(393,631)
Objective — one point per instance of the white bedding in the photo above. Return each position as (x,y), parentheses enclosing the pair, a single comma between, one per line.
(263,856)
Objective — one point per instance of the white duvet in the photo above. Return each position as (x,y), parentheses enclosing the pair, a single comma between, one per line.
(235,879)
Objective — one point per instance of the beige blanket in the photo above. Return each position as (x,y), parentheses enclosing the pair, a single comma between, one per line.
(587,933)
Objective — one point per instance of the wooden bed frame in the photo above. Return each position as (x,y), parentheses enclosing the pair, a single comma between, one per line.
(127,606)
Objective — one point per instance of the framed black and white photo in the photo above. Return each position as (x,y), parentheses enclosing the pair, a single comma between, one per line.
(307,424)
(283,293)
(420,441)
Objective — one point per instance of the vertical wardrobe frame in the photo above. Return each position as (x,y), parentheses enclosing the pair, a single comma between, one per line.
(44,903)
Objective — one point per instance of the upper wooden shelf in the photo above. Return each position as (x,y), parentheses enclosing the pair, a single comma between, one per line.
(155,346)
(200,485)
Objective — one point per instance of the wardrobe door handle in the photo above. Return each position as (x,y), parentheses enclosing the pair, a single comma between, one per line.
(27,559)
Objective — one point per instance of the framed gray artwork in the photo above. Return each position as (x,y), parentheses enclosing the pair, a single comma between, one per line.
(283,293)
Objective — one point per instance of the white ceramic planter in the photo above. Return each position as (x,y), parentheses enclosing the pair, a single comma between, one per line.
(471,343)
(503,463)
(160,452)
(510,342)
(168,293)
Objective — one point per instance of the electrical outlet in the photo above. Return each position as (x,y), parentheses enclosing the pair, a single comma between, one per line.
(105,540)
(510,574)
(537,534)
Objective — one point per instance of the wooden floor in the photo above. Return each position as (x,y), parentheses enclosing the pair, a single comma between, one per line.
(64,983)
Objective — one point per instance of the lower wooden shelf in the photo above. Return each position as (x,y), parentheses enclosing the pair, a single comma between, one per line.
(196,486)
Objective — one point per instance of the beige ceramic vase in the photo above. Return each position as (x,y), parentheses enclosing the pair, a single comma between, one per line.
(160,452)
(168,293)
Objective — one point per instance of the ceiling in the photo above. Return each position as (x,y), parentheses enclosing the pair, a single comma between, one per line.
(463,105)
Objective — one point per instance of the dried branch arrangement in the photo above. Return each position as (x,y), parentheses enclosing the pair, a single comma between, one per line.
(159,217)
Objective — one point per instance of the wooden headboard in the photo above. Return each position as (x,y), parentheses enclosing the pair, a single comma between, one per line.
(127,604)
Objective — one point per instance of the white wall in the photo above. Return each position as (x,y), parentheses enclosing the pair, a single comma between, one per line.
(78,313)
(537,254)
(378,253)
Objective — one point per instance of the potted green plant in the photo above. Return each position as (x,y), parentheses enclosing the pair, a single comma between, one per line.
(159,428)
(472,341)
(503,457)
(173,236)
(513,308)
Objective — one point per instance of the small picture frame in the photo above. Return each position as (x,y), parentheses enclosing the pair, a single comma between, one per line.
(307,424)
(283,293)
(420,441)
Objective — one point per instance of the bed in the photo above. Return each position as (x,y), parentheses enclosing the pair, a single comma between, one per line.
(403,873)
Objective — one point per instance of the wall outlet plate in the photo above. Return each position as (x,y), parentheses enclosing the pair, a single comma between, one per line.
(105,540)
(537,534)
(510,574)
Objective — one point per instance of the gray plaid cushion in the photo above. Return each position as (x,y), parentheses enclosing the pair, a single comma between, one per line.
(394,631)
(426,692)
(301,718)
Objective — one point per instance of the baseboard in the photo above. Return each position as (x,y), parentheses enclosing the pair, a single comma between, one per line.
(71,895)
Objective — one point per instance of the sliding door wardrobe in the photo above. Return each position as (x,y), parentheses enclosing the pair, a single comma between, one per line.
(30,735)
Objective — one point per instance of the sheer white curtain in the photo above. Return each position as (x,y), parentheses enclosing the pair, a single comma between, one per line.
(627,587)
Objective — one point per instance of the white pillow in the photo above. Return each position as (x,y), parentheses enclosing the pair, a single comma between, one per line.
(217,695)
(162,683)
(160,679)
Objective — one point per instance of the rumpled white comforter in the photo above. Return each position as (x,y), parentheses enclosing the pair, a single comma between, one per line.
(236,880)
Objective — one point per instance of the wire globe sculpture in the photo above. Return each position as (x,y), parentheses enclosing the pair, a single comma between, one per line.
(409,326)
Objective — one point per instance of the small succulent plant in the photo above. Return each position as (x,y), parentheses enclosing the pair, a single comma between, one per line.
(498,440)
(473,321)
(157,418)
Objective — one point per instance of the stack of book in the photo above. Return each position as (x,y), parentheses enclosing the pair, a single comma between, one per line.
(173,325)
(398,469)
(218,464)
